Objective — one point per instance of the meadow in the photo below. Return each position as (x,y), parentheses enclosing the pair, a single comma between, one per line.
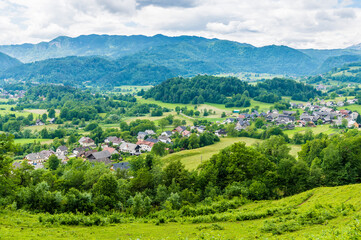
(321,213)
(194,157)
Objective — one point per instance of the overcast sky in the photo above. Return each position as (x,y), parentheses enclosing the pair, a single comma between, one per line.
(295,23)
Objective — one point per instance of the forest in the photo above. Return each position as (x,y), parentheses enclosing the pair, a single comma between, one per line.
(228,90)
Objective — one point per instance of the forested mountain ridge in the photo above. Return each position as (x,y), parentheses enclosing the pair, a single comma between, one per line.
(94,71)
(114,46)
(7,62)
(124,60)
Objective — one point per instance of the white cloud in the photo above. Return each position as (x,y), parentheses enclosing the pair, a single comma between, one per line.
(297,23)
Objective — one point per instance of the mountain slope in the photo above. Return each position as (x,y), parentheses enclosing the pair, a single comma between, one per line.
(225,57)
(113,46)
(7,62)
(94,71)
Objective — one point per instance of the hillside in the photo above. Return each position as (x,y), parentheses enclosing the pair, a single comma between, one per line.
(113,46)
(7,62)
(82,71)
(110,60)
(347,73)
(228,90)
(308,215)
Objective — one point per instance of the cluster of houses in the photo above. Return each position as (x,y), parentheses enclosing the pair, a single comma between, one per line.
(15,94)
(321,113)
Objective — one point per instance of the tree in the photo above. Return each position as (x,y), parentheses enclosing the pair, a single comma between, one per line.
(259,123)
(159,149)
(177,122)
(200,99)
(53,162)
(163,122)
(275,148)
(223,168)
(106,191)
(223,115)
(30,117)
(7,148)
(44,117)
(358,119)
(51,113)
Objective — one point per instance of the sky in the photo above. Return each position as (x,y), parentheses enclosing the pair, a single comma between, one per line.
(322,24)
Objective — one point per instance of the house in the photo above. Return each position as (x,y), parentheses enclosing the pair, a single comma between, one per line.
(221,132)
(62,150)
(133,149)
(52,120)
(149,132)
(103,156)
(145,145)
(186,133)
(230,120)
(201,129)
(86,142)
(180,129)
(340,104)
(141,135)
(289,113)
(167,133)
(114,140)
(79,151)
(121,166)
(39,157)
(242,124)
(38,122)
(111,150)
(164,139)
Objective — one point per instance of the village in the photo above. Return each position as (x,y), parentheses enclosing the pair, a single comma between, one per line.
(114,150)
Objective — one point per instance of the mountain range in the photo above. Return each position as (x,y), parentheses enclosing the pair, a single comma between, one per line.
(118,60)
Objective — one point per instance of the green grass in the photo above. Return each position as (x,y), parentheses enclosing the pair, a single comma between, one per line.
(353,107)
(39,128)
(316,130)
(28,140)
(193,158)
(5,109)
(24,225)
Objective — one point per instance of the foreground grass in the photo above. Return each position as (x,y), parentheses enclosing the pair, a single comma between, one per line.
(322,213)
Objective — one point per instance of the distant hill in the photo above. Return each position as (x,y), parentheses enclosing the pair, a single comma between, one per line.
(112,46)
(119,60)
(7,62)
(81,71)
(224,90)
(355,47)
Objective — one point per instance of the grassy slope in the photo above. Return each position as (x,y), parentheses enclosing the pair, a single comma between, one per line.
(22,225)
(193,158)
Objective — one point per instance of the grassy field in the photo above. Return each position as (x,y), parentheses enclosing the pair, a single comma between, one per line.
(28,140)
(5,109)
(339,205)
(132,89)
(316,130)
(193,158)
(353,107)
(39,128)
